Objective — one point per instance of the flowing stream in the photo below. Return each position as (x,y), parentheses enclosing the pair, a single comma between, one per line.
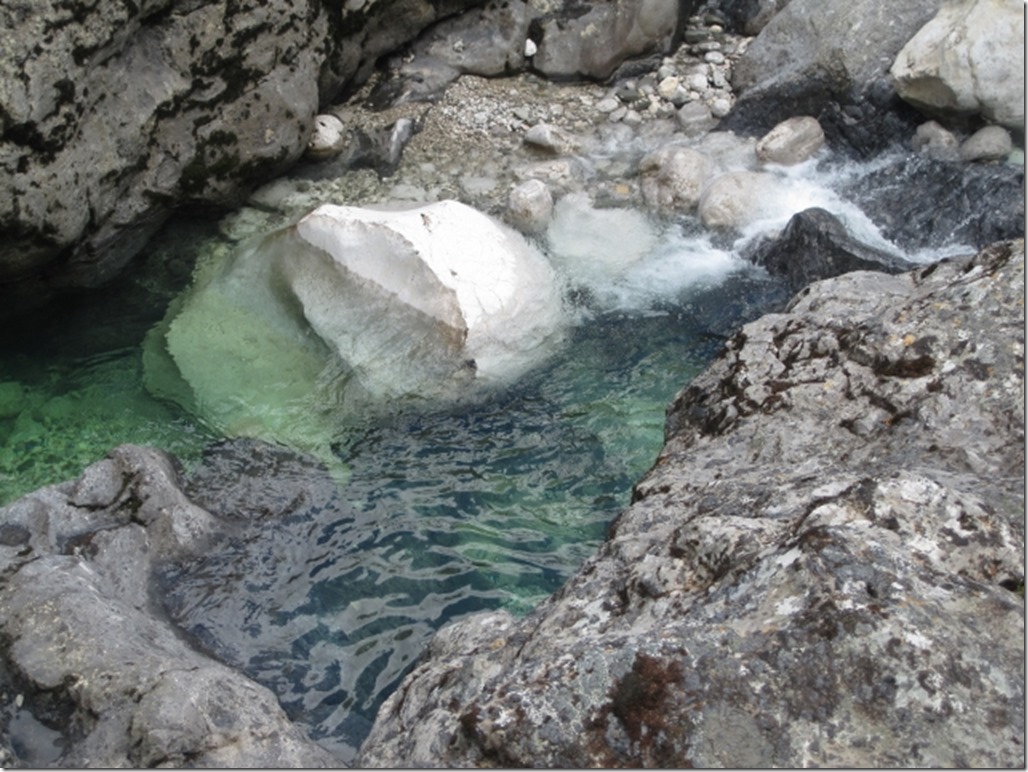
(441,513)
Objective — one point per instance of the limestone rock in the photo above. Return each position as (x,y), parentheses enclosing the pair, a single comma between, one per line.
(530,206)
(821,569)
(327,139)
(89,656)
(792,141)
(356,309)
(114,117)
(829,60)
(969,59)
(936,141)
(695,118)
(673,178)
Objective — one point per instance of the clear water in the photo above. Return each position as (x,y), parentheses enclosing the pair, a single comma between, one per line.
(441,513)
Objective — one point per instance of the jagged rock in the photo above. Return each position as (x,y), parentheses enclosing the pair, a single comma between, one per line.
(920,202)
(798,64)
(816,245)
(88,653)
(968,60)
(823,567)
(792,141)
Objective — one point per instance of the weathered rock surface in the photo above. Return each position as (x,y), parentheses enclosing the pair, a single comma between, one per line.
(804,62)
(821,569)
(968,60)
(88,652)
(815,245)
(113,115)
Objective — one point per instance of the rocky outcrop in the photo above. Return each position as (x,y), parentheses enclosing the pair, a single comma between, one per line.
(87,656)
(824,567)
(803,62)
(112,114)
(967,61)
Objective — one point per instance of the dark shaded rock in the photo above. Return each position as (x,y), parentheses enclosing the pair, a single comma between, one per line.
(748,17)
(816,245)
(919,201)
(821,569)
(89,660)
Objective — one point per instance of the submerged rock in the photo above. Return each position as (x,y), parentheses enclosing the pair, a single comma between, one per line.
(823,567)
(356,309)
(90,660)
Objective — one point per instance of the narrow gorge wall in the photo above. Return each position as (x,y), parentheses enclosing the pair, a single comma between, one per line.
(113,114)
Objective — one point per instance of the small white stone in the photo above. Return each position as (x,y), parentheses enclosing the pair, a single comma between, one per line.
(714,57)
(607,105)
(530,48)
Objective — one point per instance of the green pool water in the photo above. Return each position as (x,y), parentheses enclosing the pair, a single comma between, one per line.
(439,514)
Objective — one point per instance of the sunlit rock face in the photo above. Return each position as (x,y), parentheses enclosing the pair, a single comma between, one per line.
(350,310)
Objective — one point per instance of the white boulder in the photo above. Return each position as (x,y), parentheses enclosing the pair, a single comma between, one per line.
(969,59)
(354,308)
(989,143)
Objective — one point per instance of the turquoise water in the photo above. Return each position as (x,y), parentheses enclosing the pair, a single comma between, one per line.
(440,514)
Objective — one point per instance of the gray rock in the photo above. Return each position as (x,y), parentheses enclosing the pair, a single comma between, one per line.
(486,41)
(114,117)
(804,62)
(821,569)
(673,177)
(530,206)
(695,118)
(991,143)
(792,141)
(328,138)
(936,141)
(89,653)
(736,199)
(591,40)
(969,59)
(920,202)
(549,138)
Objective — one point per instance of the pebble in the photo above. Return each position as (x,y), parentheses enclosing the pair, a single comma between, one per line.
(607,105)
(714,57)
